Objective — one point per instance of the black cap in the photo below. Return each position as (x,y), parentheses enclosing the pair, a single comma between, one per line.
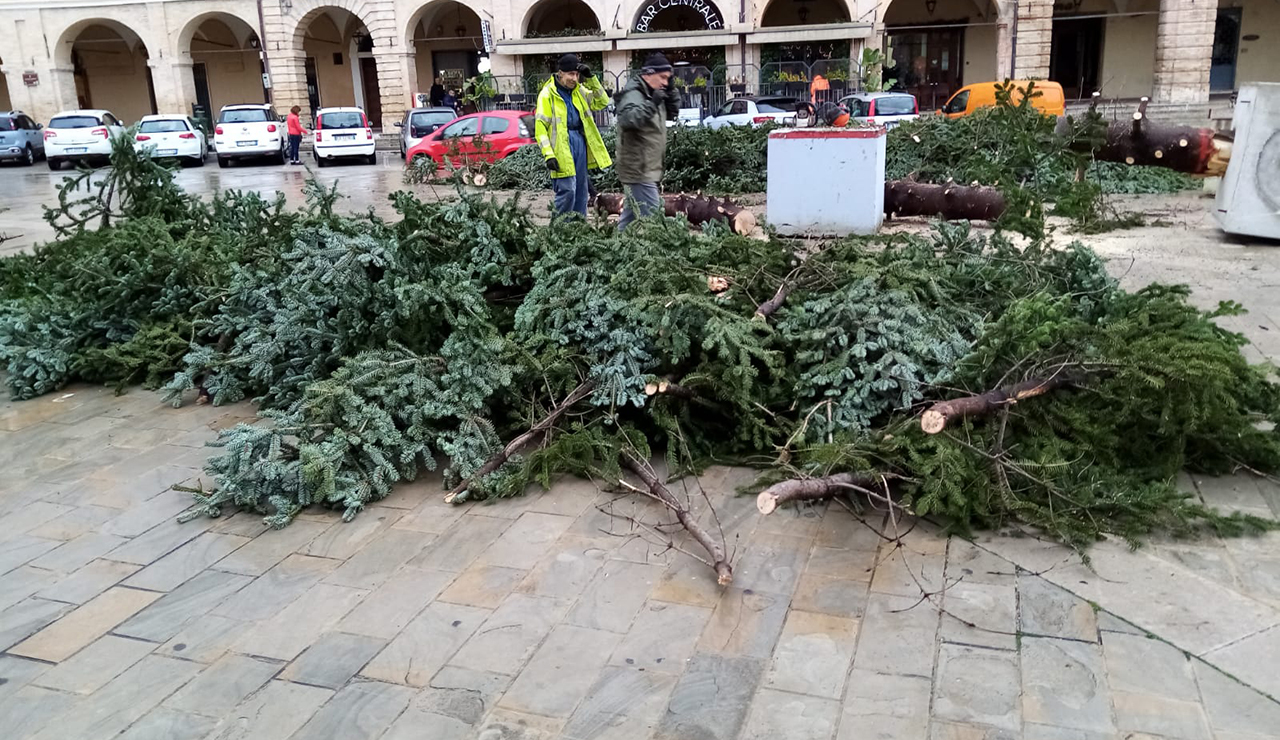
(568,63)
(656,62)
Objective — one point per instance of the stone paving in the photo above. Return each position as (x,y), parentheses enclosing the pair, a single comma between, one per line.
(546,617)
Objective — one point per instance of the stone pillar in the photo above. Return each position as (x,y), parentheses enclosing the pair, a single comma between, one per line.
(1035,37)
(174,84)
(1184,47)
(286,60)
(393,70)
(42,100)
(1004,40)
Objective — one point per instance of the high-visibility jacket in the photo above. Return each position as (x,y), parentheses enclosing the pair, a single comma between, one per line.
(552,125)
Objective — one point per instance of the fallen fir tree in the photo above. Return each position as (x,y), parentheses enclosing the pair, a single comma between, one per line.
(461,334)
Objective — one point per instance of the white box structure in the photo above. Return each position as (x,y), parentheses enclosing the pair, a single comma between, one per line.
(826,181)
(1249,196)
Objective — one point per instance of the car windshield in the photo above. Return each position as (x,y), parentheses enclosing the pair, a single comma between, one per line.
(432,117)
(776,105)
(898,105)
(244,115)
(342,119)
(8,124)
(74,122)
(162,127)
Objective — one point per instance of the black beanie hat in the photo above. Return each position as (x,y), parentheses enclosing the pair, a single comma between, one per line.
(656,62)
(568,63)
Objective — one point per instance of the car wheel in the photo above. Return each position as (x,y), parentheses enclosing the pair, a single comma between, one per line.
(54,164)
(320,162)
(197,161)
(278,159)
(29,158)
(223,162)
(371,159)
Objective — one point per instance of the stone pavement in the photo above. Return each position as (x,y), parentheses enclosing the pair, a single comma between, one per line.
(545,617)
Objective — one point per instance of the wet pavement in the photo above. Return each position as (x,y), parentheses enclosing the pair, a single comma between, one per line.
(27,189)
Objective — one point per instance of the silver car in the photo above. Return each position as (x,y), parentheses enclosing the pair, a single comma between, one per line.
(21,139)
(419,123)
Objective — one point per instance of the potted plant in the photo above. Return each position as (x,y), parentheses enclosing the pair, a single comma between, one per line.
(698,86)
(737,86)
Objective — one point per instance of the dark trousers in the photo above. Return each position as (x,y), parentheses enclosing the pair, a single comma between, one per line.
(295,141)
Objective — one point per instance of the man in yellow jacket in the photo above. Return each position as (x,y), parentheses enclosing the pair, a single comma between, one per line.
(567,134)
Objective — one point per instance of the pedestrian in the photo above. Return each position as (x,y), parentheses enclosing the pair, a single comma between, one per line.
(450,100)
(644,107)
(437,93)
(567,134)
(293,125)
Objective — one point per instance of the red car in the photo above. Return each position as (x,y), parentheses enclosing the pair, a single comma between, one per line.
(501,133)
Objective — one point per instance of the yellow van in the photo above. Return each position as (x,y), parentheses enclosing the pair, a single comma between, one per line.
(982,94)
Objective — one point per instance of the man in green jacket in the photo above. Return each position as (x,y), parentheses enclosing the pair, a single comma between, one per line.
(644,107)
(567,134)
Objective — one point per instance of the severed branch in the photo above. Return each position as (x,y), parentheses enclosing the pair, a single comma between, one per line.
(812,489)
(950,201)
(659,492)
(766,309)
(1197,151)
(669,388)
(536,432)
(699,209)
(937,416)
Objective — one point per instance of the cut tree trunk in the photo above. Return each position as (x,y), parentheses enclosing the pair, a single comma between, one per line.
(698,209)
(811,489)
(766,309)
(936,418)
(715,548)
(1196,151)
(535,433)
(950,201)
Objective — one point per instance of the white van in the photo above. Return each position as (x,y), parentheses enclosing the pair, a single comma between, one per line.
(81,136)
(343,132)
(245,131)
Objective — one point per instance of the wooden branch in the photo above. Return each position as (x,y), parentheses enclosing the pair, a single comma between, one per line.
(936,418)
(812,489)
(1138,115)
(950,201)
(536,432)
(667,387)
(697,208)
(766,309)
(714,548)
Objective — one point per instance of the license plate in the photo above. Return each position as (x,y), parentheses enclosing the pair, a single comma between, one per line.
(247,143)
(345,137)
(164,152)
(77,149)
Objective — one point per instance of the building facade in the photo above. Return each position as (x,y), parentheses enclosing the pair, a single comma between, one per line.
(136,57)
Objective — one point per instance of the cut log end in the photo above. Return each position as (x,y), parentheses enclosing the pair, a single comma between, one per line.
(724,574)
(932,422)
(766,502)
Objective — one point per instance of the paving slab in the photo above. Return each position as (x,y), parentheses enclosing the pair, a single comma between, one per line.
(390,607)
(426,644)
(1064,684)
(333,659)
(978,685)
(712,699)
(165,617)
(511,633)
(301,623)
(1144,665)
(813,655)
(277,711)
(779,714)
(625,703)
(662,637)
(96,665)
(222,686)
(561,672)
(361,709)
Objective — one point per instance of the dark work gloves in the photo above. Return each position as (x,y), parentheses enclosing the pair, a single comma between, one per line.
(585,72)
(553,164)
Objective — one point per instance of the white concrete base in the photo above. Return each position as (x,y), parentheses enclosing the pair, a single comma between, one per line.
(826,181)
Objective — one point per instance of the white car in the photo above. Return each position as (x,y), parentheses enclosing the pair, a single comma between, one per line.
(751,111)
(888,109)
(80,136)
(246,131)
(343,132)
(171,136)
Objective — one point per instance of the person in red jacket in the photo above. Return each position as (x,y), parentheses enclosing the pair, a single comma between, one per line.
(294,125)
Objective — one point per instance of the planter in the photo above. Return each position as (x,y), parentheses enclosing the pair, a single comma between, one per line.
(738,89)
(699,90)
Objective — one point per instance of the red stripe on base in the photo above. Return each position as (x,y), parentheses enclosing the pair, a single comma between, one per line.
(872,132)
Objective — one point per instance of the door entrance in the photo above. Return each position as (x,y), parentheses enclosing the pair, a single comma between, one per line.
(313,85)
(928,63)
(1226,47)
(372,96)
(1075,55)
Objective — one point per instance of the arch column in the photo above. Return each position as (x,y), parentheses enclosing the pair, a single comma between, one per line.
(287,60)
(1184,50)
(174,84)
(395,70)
(1035,38)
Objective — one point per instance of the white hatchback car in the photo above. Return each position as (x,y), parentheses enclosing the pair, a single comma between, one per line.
(80,136)
(171,136)
(245,131)
(343,132)
(888,109)
(752,111)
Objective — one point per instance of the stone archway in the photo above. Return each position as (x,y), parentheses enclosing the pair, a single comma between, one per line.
(226,65)
(940,48)
(547,18)
(445,40)
(776,13)
(110,68)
